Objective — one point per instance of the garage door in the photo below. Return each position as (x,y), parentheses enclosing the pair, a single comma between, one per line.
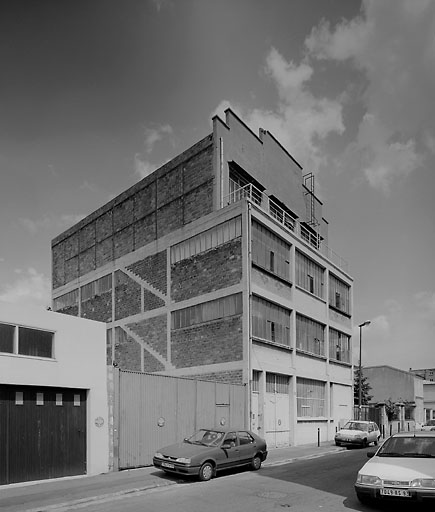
(42,433)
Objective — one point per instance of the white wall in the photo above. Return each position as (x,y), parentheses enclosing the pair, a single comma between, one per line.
(79,362)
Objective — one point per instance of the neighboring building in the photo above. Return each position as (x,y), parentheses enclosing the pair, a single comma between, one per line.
(397,386)
(53,396)
(216,267)
(429,400)
(425,373)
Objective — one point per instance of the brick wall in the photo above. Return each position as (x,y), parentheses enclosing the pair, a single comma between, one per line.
(228,377)
(98,308)
(174,195)
(215,342)
(152,270)
(153,332)
(206,272)
(127,353)
(127,296)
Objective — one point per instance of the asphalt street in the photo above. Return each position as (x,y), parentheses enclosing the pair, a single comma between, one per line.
(324,484)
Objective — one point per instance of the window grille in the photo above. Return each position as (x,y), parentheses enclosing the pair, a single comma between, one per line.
(255,384)
(277,383)
(339,294)
(270,252)
(339,346)
(310,335)
(95,288)
(207,311)
(270,321)
(310,395)
(67,300)
(207,240)
(309,275)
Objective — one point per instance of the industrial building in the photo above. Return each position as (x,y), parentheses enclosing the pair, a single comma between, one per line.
(217,267)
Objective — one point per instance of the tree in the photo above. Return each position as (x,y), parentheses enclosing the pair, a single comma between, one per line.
(365,389)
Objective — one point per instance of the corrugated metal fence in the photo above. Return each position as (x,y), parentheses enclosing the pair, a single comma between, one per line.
(155,410)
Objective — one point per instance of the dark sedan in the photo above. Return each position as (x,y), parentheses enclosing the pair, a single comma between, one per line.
(210,450)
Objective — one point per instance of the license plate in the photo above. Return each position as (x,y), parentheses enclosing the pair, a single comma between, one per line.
(167,465)
(401,493)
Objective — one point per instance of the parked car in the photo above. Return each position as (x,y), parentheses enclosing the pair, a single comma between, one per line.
(429,425)
(210,450)
(360,433)
(403,468)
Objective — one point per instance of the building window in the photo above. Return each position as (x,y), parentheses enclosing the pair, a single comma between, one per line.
(207,311)
(270,322)
(95,288)
(339,294)
(33,342)
(67,300)
(255,384)
(7,333)
(310,398)
(28,342)
(59,399)
(19,398)
(206,240)
(309,275)
(242,185)
(339,346)
(39,398)
(277,383)
(310,335)
(270,252)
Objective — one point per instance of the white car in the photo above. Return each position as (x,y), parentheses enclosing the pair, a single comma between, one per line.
(403,468)
(429,425)
(360,433)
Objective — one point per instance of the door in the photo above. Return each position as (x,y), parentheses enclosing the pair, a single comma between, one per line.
(42,434)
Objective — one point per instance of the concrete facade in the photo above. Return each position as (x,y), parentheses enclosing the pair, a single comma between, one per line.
(216,267)
(397,386)
(78,362)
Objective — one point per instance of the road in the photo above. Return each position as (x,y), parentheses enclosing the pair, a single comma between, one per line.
(324,484)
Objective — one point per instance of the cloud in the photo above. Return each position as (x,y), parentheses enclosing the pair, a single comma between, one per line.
(49,221)
(30,287)
(392,43)
(301,120)
(425,302)
(142,164)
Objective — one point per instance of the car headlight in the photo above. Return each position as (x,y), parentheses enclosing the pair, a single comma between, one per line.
(368,480)
(158,455)
(423,482)
(183,460)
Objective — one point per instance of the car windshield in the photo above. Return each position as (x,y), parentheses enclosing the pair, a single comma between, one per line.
(356,425)
(420,447)
(205,437)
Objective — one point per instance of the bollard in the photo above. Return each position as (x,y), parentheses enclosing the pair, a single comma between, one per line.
(408,427)
(318,437)
(383,431)
(391,429)
(398,427)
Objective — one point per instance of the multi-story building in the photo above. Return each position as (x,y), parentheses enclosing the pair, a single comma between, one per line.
(425,373)
(216,267)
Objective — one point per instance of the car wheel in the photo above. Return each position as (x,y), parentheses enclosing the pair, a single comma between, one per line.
(364,443)
(206,471)
(256,463)
(337,443)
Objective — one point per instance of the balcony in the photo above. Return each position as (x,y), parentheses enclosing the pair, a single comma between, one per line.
(268,206)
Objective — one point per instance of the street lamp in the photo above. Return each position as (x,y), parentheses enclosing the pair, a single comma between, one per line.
(367,322)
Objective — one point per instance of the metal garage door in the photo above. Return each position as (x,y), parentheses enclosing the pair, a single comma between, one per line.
(42,433)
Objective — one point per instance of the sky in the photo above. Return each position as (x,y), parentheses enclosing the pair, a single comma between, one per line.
(96,94)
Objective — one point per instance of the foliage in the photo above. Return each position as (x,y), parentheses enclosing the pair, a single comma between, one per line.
(392,410)
(365,389)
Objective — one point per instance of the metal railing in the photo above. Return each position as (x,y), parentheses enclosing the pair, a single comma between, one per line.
(271,208)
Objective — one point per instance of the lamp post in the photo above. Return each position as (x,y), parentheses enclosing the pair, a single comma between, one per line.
(367,322)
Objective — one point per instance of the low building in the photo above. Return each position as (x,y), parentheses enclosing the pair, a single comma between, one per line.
(217,267)
(429,400)
(400,388)
(53,395)
(425,373)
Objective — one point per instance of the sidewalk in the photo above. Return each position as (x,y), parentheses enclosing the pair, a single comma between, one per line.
(64,494)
